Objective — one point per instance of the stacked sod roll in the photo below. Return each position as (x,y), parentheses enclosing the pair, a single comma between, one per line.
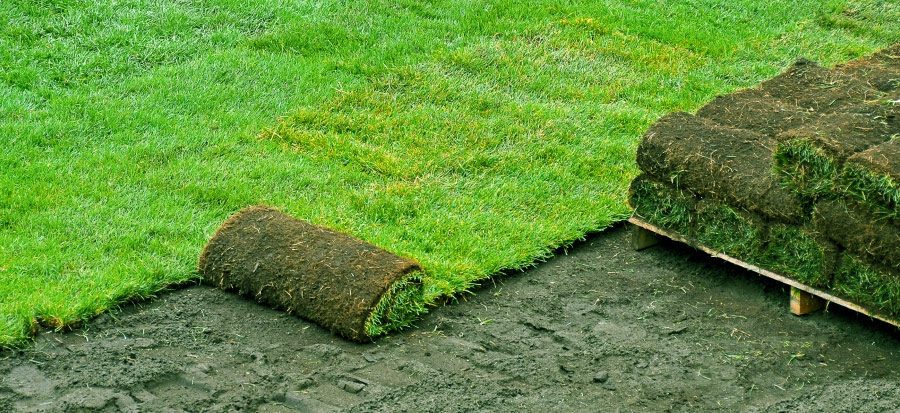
(800,176)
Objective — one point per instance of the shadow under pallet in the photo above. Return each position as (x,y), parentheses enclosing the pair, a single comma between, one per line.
(803,298)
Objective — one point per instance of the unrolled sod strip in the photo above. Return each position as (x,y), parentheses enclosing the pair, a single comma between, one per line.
(351,287)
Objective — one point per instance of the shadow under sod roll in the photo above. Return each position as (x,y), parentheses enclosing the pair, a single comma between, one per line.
(349,286)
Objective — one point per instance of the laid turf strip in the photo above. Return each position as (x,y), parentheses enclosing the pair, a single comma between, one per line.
(473,136)
(797,176)
(349,286)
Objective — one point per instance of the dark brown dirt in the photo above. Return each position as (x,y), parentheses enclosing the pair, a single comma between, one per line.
(599,328)
(858,231)
(310,271)
(734,166)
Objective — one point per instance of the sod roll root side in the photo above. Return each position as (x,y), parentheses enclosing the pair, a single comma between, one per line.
(353,288)
(756,110)
(881,70)
(810,86)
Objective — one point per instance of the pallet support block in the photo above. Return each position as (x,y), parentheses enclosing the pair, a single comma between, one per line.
(803,302)
(642,238)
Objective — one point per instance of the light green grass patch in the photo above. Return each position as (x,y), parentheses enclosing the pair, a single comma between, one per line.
(471,136)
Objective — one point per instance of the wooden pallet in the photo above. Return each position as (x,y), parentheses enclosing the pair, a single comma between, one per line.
(803,299)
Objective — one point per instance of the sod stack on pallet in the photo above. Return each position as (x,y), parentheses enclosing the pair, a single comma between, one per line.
(799,176)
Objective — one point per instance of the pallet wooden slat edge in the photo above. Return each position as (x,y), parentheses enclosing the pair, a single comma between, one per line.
(761,271)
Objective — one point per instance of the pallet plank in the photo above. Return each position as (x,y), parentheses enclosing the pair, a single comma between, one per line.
(642,238)
(803,302)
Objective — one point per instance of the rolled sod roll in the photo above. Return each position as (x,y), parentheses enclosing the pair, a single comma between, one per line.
(800,253)
(843,134)
(733,166)
(810,86)
(662,205)
(869,284)
(858,231)
(351,287)
(755,110)
(872,179)
(808,159)
(730,230)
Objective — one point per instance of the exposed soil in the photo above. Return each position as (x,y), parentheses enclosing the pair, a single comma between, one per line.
(308,270)
(599,327)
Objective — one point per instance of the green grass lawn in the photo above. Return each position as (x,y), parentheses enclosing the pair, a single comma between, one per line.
(473,136)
